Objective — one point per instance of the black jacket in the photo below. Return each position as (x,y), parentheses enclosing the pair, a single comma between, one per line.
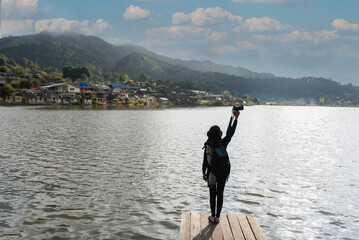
(206,168)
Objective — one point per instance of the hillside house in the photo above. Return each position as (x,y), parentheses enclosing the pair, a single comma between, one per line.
(118,87)
(85,88)
(102,89)
(16,99)
(214,97)
(53,98)
(63,88)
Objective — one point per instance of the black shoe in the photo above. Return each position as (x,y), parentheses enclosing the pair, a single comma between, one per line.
(212,219)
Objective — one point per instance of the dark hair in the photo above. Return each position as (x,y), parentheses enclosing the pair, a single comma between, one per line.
(214,134)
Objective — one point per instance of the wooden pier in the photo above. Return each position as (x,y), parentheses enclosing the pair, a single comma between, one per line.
(195,225)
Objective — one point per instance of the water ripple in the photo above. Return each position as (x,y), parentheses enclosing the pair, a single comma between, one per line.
(69,174)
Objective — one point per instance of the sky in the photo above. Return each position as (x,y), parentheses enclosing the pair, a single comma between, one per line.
(289,38)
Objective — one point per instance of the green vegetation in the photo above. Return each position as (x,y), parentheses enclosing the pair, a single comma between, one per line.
(6,91)
(75,73)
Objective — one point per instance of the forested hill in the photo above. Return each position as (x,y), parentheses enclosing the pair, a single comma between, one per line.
(58,50)
(275,87)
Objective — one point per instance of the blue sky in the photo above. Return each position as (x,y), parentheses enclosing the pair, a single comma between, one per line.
(291,38)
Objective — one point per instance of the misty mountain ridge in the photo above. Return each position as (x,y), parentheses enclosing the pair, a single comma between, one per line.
(110,54)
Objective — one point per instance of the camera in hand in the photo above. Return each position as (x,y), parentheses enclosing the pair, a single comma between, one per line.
(237,108)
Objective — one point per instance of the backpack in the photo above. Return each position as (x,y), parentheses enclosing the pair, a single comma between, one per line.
(217,158)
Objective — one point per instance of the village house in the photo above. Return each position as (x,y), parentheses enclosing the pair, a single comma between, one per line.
(16,99)
(151,99)
(30,98)
(118,87)
(164,100)
(103,89)
(85,88)
(53,98)
(214,97)
(63,88)
(35,96)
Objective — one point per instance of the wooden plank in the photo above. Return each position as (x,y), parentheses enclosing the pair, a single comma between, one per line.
(235,227)
(247,231)
(216,231)
(185,232)
(206,231)
(226,229)
(195,226)
(255,227)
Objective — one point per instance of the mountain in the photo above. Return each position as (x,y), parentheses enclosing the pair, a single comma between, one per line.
(57,50)
(266,88)
(208,66)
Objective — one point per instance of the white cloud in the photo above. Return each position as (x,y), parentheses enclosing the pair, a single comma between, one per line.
(64,25)
(135,12)
(179,32)
(59,25)
(11,27)
(223,49)
(245,45)
(179,17)
(230,48)
(203,16)
(20,9)
(216,36)
(324,35)
(97,27)
(264,24)
(26,3)
(157,42)
(341,24)
(289,2)
(297,36)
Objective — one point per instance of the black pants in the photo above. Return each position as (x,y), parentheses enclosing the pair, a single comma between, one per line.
(216,191)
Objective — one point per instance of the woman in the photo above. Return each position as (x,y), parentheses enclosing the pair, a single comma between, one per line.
(216,183)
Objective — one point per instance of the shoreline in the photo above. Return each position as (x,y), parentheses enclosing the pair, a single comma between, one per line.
(155,106)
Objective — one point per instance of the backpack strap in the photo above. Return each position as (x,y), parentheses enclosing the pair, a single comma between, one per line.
(209,153)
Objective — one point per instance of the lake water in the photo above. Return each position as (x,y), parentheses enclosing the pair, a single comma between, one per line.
(128,174)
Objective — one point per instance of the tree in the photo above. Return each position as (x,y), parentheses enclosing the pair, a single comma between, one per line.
(124,78)
(256,100)
(321,100)
(143,78)
(24,62)
(12,63)
(245,97)
(75,72)
(84,77)
(226,95)
(2,60)
(29,83)
(25,84)
(6,91)
(4,69)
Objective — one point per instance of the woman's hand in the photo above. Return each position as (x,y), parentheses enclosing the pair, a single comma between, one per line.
(237,115)
(204,177)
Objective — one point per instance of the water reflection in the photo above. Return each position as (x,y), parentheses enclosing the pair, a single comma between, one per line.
(128,174)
